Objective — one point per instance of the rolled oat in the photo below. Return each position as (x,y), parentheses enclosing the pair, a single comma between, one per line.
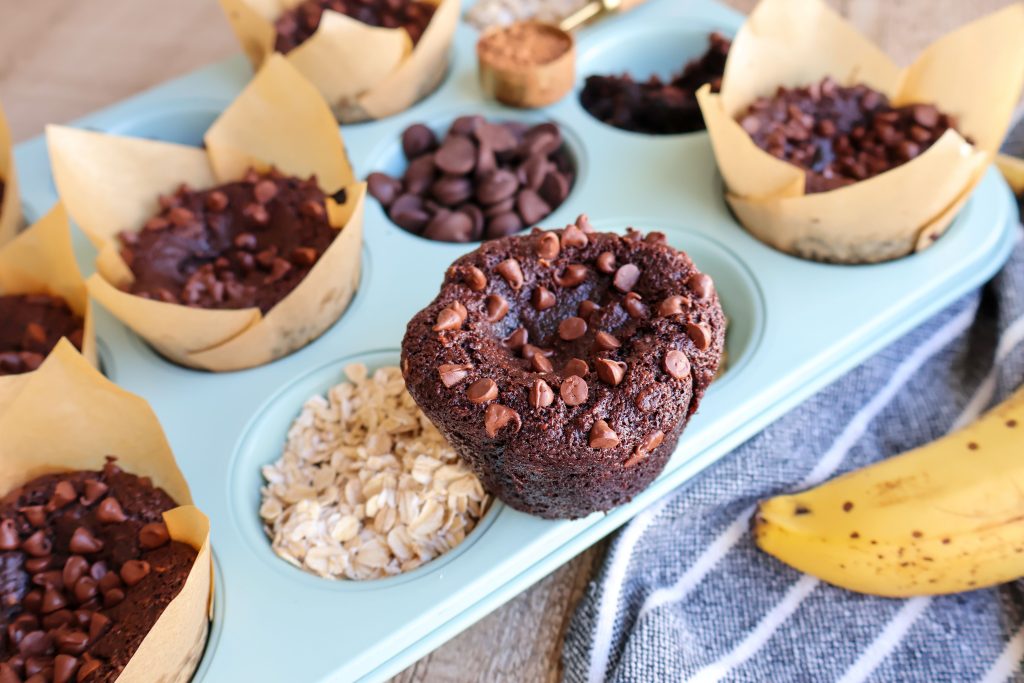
(367,487)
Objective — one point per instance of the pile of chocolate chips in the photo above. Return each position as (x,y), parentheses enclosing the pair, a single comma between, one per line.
(842,134)
(86,568)
(244,244)
(483,180)
(654,106)
(296,25)
(30,326)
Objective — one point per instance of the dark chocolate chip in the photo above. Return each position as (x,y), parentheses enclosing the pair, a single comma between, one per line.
(610,371)
(503,225)
(496,187)
(677,364)
(576,367)
(497,417)
(449,226)
(673,305)
(542,298)
(109,511)
(474,278)
(701,284)
(531,207)
(573,275)
(602,436)
(606,262)
(497,307)
(482,391)
(153,535)
(541,395)
(700,334)
(453,374)
(572,328)
(509,269)
(134,571)
(541,363)
(605,341)
(517,339)
(634,305)
(457,155)
(574,390)
(84,542)
(417,139)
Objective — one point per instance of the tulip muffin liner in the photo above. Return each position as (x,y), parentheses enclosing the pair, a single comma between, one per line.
(364,72)
(111,184)
(10,207)
(795,43)
(41,260)
(66,416)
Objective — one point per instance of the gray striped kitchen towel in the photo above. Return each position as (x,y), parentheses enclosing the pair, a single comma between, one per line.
(684,595)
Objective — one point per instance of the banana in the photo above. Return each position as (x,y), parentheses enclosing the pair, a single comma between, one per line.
(944,518)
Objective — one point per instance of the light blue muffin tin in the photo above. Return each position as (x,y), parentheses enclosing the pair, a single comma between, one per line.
(794,326)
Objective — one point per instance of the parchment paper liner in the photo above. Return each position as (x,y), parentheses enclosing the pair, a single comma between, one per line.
(1012,169)
(67,416)
(41,260)
(975,73)
(112,183)
(363,72)
(10,207)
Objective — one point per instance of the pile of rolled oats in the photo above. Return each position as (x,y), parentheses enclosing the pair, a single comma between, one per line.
(367,487)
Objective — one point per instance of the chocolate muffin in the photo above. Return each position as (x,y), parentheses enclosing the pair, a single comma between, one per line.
(563,365)
(240,245)
(30,326)
(656,107)
(86,569)
(296,25)
(842,134)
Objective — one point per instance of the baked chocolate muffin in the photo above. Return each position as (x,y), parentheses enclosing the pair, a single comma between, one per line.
(842,134)
(243,244)
(563,365)
(86,569)
(654,106)
(296,25)
(30,326)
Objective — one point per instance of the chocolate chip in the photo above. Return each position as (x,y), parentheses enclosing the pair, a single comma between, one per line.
(9,538)
(587,308)
(573,275)
(452,190)
(449,226)
(482,391)
(531,207)
(701,284)
(74,568)
(453,374)
(497,417)
(572,328)
(606,262)
(98,625)
(474,278)
(153,535)
(572,237)
(649,443)
(63,494)
(417,139)
(35,643)
(542,299)
(541,395)
(109,511)
(503,225)
(554,188)
(419,176)
(676,364)
(576,367)
(610,371)
(53,600)
(497,137)
(35,514)
(673,305)
(602,436)
(113,597)
(407,212)
(535,169)
(457,155)
(626,277)
(383,188)
(497,307)
(510,270)
(529,351)
(548,247)
(574,391)
(84,542)
(700,334)
(64,668)
(38,544)
(264,190)
(466,125)
(605,341)
(449,319)
(87,670)
(257,213)
(634,305)
(517,339)
(496,187)
(541,363)
(134,571)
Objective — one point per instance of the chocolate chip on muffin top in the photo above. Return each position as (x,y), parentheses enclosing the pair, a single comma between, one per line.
(30,326)
(842,134)
(296,25)
(243,244)
(553,361)
(87,566)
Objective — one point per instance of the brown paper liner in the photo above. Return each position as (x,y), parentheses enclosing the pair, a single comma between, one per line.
(41,260)
(797,42)
(111,184)
(363,72)
(10,208)
(66,416)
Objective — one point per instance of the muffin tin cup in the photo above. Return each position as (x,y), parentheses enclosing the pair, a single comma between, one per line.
(794,326)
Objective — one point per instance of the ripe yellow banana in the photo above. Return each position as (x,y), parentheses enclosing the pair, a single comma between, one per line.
(943,518)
